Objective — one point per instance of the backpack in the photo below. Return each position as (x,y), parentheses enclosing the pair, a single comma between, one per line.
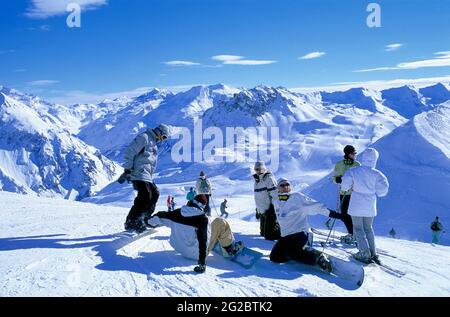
(204,187)
(434,226)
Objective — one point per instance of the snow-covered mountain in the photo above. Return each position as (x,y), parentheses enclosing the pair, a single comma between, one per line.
(38,154)
(416,159)
(112,134)
(65,248)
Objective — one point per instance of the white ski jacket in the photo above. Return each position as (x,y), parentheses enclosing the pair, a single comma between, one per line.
(367,183)
(141,157)
(203,186)
(292,214)
(265,191)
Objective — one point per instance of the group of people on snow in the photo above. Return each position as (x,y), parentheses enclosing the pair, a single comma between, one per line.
(283,214)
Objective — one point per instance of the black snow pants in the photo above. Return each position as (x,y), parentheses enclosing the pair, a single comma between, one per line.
(292,247)
(145,201)
(269,227)
(346,218)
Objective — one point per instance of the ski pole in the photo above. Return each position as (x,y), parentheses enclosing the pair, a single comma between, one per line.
(334,219)
(214,205)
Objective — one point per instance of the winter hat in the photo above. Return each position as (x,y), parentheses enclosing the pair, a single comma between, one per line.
(163,130)
(260,164)
(283,180)
(202,173)
(201,200)
(349,149)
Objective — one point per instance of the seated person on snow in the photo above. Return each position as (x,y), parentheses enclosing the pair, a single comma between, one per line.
(194,234)
(292,211)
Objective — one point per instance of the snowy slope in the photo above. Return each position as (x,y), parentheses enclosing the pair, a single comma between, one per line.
(63,248)
(39,155)
(416,159)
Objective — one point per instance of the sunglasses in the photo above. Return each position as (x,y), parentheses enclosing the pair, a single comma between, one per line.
(164,137)
(285,185)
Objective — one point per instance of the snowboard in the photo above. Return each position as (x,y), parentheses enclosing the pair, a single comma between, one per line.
(246,258)
(347,270)
(126,237)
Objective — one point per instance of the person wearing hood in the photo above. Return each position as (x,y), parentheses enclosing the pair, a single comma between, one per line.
(340,169)
(139,164)
(265,189)
(191,194)
(292,210)
(367,183)
(203,186)
(194,234)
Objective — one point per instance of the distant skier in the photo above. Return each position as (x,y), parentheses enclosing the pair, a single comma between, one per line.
(169,203)
(139,163)
(366,183)
(203,186)
(191,194)
(292,210)
(265,192)
(172,203)
(223,206)
(392,233)
(340,169)
(193,234)
(436,230)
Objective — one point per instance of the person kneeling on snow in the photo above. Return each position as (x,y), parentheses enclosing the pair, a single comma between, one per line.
(193,234)
(366,183)
(292,210)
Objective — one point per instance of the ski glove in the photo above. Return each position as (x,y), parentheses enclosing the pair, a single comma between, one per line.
(126,176)
(339,179)
(201,268)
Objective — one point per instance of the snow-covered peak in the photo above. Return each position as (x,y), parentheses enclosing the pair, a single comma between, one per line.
(38,154)
(436,94)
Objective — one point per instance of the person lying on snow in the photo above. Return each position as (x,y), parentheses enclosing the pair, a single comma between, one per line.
(194,234)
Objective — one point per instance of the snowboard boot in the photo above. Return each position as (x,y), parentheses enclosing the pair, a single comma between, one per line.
(201,268)
(234,248)
(362,257)
(325,263)
(376,259)
(348,239)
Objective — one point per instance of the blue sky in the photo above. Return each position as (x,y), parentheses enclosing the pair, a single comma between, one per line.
(127,46)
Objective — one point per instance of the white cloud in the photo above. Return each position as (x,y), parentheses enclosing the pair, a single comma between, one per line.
(42,9)
(42,82)
(313,55)
(227,58)
(240,60)
(393,47)
(181,63)
(442,59)
(375,84)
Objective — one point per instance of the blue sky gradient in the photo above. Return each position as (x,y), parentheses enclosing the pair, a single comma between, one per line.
(123,45)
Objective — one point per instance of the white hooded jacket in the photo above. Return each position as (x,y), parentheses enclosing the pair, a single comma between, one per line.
(265,189)
(292,214)
(367,183)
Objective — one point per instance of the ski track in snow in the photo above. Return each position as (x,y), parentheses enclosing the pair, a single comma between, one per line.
(63,248)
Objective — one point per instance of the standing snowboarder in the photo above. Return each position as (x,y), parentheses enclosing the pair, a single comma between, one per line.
(140,163)
(436,230)
(169,203)
(292,210)
(265,189)
(203,187)
(340,169)
(223,206)
(366,183)
(392,233)
(194,234)
(191,194)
